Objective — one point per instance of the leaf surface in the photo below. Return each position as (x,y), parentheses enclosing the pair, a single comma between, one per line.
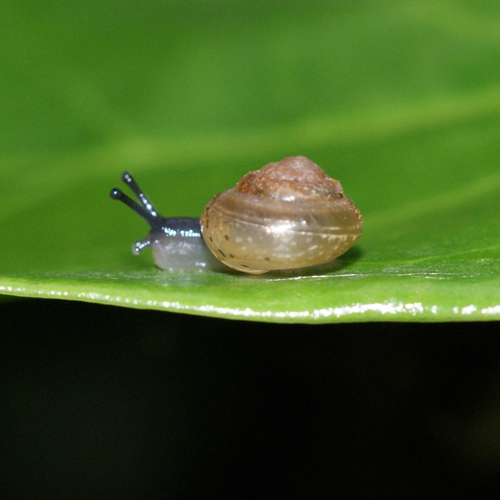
(400,101)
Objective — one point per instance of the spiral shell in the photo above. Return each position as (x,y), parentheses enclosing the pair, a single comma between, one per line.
(287,215)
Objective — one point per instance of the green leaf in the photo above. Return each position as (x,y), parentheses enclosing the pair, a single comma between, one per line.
(400,101)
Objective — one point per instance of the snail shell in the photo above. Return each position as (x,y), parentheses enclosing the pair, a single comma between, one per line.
(287,215)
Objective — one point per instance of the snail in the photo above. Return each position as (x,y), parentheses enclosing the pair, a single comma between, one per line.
(287,215)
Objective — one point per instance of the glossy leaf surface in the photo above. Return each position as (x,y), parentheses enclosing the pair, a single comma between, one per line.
(400,101)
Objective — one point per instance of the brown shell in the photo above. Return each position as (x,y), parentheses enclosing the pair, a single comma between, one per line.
(287,215)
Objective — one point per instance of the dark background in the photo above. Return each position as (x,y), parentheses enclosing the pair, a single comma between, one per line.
(105,402)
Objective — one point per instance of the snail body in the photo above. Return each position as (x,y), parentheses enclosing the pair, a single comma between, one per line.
(176,242)
(287,215)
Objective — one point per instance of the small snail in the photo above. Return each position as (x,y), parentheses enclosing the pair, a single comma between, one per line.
(287,215)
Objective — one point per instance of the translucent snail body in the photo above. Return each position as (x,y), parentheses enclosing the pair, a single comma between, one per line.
(287,215)
(176,242)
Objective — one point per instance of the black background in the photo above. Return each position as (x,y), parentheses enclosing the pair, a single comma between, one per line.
(107,402)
